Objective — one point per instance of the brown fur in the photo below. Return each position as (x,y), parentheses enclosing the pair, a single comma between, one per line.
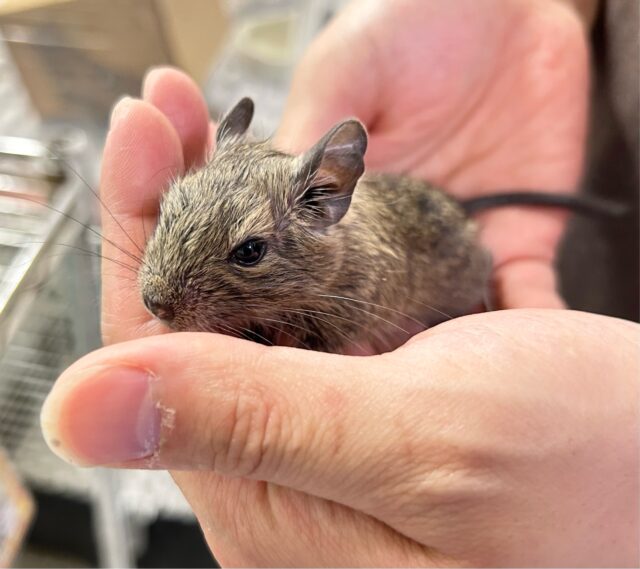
(404,253)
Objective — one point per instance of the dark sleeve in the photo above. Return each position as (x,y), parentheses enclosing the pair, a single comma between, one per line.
(599,261)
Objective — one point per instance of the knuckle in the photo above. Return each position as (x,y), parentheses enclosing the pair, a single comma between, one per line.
(253,433)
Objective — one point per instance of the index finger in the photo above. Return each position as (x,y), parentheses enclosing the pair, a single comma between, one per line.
(143,153)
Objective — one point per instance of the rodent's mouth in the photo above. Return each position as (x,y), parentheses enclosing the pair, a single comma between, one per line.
(183,319)
(252,331)
(184,322)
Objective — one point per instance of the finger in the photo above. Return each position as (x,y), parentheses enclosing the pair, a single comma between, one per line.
(142,154)
(179,98)
(211,138)
(527,283)
(201,401)
(155,430)
(523,242)
(328,534)
(323,86)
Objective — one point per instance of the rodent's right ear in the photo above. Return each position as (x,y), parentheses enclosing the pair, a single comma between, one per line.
(235,123)
(328,173)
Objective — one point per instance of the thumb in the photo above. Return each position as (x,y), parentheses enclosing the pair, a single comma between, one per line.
(187,401)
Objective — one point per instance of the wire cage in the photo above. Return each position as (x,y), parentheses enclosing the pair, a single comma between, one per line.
(37,339)
(49,316)
(49,290)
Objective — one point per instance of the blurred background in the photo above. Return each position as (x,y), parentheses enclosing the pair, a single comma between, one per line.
(63,64)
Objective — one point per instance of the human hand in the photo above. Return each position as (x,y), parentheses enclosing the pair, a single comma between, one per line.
(217,403)
(506,438)
(474,96)
(149,143)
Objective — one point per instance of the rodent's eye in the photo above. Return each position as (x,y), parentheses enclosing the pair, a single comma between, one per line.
(250,252)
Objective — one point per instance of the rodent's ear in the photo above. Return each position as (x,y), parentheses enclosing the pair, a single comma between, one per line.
(235,123)
(329,172)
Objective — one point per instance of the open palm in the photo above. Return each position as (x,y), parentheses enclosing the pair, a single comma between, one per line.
(476,97)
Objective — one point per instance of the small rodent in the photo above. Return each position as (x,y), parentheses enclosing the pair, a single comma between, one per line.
(309,251)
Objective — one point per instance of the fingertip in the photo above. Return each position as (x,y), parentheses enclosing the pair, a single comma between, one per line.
(49,426)
(142,152)
(151,78)
(179,98)
(102,416)
(211,138)
(120,111)
(50,421)
(131,117)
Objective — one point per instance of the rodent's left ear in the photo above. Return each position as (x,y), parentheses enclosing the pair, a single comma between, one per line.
(328,173)
(235,123)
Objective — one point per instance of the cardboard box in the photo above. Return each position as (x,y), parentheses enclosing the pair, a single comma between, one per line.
(76,57)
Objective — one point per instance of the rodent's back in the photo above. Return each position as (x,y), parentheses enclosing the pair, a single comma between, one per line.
(410,226)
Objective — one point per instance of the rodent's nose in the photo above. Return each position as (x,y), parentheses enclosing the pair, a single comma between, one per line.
(164,312)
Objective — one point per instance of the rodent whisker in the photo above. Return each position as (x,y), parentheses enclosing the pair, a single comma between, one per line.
(50,256)
(86,251)
(245,333)
(430,307)
(373,333)
(91,254)
(274,321)
(310,314)
(283,331)
(86,226)
(254,333)
(305,185)
(315,314)
(366,312)
(375,305)
(225,328)
(331,198)
(97,196)
(319,181)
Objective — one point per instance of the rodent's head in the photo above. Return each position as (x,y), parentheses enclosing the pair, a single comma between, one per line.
(249,238)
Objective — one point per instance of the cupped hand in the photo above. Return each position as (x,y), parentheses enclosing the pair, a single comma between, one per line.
(499,439)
